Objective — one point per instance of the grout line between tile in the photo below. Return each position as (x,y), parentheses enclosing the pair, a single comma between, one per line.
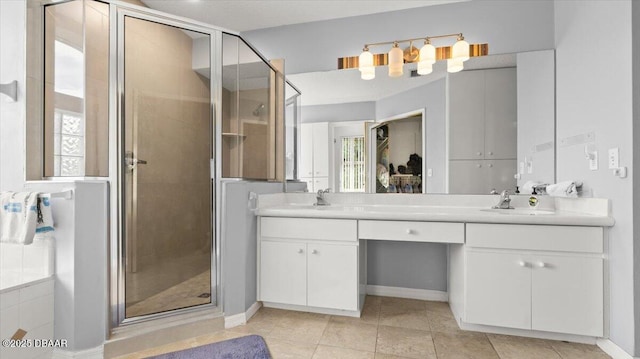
(492,346)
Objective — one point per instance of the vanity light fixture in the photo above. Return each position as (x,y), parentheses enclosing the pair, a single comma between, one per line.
(455,55)
(427,58)
(367,69)
(396,61)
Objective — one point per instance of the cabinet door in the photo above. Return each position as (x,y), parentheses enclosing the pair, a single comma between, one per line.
(332,279)
(320,183)
(306,150)
(466,115)
(468,177)
(498,290)
(567,295)
(500,120)
(500,175)
(310,185)
(321,149)
(283,274)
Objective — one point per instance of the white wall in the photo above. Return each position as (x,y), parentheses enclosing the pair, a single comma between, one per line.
(536,115)
(508,26)
(12,114)
(635,11)
(351,111)
(594,94)
(81,241)
(239,246)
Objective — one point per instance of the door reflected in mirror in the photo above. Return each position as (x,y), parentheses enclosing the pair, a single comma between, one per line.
(398,155)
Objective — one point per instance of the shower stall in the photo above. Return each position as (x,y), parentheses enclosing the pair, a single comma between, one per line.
(162,108)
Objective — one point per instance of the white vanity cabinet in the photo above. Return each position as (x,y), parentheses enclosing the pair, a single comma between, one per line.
(314,155)
(535,277)
(283,272)
(309,263)
(332,273)
(483,114)
(483,130)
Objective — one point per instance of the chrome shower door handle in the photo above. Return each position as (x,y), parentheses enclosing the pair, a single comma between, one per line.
(131,162)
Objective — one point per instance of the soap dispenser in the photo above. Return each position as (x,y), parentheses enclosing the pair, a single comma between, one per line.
(533,200)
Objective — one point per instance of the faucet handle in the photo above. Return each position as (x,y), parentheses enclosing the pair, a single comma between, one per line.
(493,191)
(328,190)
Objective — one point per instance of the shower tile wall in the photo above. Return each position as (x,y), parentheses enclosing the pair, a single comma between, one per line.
(97,88)
(251,156)
(172,113)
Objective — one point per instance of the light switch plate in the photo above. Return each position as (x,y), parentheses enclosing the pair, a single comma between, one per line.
(614,158)
(593,161)
(429,172)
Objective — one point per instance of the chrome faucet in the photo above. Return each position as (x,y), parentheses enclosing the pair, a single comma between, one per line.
(320,201)
(504,202)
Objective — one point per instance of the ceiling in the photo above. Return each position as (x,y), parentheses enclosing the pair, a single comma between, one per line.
(245,15)
(330,87)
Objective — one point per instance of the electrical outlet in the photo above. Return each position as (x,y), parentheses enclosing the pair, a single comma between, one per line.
(614,158)
(429,172)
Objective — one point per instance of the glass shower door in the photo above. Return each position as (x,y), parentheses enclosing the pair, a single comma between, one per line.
(167,187)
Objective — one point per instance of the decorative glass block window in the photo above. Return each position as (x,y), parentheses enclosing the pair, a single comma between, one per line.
(352,169)
(68,144)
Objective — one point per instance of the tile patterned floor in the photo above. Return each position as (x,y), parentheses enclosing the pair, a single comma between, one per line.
(389,328)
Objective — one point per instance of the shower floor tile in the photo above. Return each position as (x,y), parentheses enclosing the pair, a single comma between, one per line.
(186,294)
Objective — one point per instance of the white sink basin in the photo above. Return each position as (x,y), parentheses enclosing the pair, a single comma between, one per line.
(519,211)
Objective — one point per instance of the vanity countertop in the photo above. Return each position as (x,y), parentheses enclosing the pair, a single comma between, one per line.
(454,211)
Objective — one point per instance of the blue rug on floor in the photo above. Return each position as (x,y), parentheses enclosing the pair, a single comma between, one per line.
(249,347)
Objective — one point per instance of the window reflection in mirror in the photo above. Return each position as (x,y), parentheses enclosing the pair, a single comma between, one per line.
(76,91)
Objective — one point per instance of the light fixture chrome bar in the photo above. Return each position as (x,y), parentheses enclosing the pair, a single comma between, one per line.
(427,38)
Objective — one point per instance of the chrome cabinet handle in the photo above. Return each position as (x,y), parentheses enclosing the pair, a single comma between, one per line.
(522,263)
(314,252)
(300,251)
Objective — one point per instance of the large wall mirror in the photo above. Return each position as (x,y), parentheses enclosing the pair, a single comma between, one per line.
(489,127)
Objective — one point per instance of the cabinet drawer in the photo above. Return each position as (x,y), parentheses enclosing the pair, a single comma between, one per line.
(309,228)
(412,231)
(536,237)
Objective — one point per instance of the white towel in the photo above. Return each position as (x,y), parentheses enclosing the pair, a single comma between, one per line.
(18,217)
(45,223)
(563,189)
